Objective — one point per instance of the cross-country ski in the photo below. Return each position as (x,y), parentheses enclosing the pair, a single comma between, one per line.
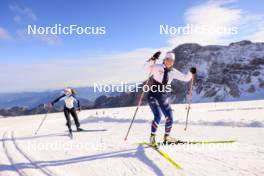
(163,154)
(196,142)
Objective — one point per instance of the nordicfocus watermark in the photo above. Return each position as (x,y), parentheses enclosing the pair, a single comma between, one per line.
(231,147)
(59,29)
(65,146)
(189,29)
(137,87)
(101,147)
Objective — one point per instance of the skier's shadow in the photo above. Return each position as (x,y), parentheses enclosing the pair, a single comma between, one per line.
(138,153)
(50,135)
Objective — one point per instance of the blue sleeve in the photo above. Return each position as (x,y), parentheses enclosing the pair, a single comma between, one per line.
(57,99)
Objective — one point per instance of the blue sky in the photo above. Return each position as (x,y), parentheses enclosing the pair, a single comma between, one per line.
(131,22)
(132,35)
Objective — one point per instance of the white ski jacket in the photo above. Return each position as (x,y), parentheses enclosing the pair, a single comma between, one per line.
(157,71)
(69,101)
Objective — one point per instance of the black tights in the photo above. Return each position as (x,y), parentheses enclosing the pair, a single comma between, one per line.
(72,112)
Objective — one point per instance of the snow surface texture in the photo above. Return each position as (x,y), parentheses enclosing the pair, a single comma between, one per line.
(101,150)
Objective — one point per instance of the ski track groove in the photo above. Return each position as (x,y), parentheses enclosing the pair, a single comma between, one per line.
(32,161)
(217,160)
(9,157)
(130,166)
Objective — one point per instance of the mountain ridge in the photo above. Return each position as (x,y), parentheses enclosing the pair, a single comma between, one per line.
(233,72)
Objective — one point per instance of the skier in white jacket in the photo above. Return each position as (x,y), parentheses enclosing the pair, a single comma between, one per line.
(163,74)
(69,109)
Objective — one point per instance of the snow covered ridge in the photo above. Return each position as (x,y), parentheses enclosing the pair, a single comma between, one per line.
(233,72)
(225,73)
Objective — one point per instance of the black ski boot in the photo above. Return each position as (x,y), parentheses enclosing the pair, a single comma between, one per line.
(79,129)
(152,139)
(170,140)
(70,133)
(69,130)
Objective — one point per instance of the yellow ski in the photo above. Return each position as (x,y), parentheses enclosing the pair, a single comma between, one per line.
(165,155)
(198,142)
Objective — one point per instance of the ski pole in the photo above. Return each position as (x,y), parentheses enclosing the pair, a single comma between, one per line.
(189,103)
(44,118)
(135,113)
(156,56)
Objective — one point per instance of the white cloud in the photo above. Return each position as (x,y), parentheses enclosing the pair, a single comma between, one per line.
(49,39)
(106,69)
(4,34)
(213,13)
(126,67)
(258,36)
(22,11)
(217,14)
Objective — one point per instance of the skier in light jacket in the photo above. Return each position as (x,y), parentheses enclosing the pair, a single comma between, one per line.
(162,75)
(69,99)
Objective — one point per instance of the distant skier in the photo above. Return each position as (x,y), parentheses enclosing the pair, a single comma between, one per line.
(69,99)
(162,75)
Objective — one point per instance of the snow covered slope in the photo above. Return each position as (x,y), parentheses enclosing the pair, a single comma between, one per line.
(101,150)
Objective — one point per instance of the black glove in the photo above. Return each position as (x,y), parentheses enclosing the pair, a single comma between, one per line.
(155,56)
(193,70)
(49,106)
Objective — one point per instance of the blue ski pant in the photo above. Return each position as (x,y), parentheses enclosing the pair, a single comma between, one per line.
(159,103)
